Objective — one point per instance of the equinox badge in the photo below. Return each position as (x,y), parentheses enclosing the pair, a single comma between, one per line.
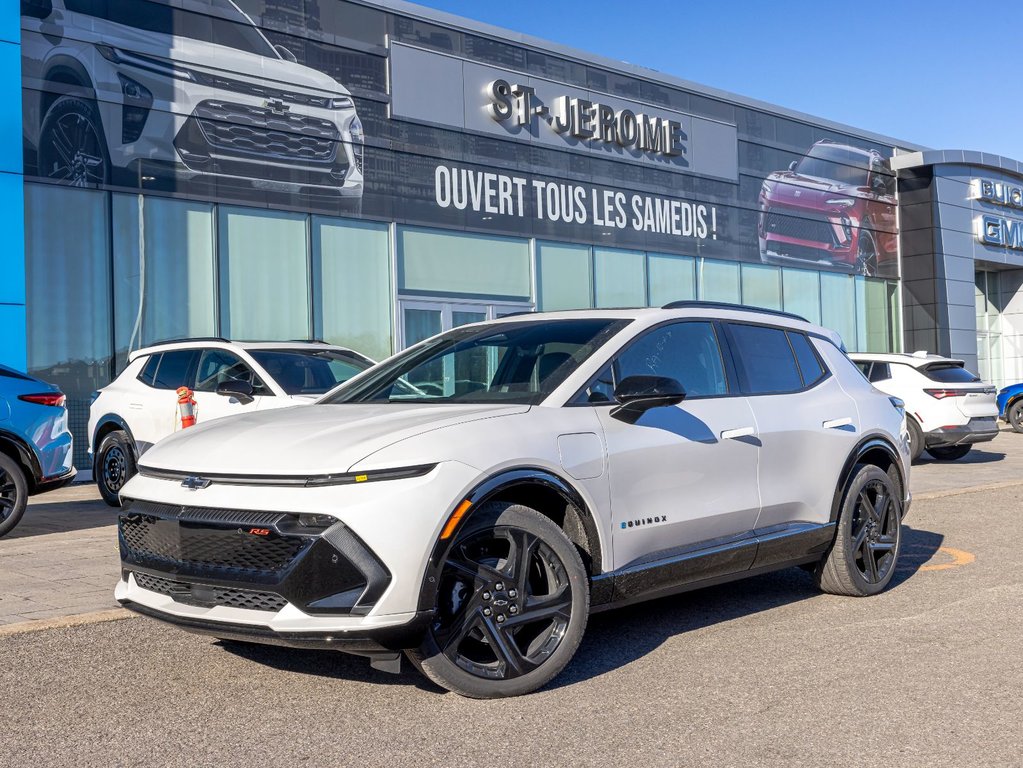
(194,483)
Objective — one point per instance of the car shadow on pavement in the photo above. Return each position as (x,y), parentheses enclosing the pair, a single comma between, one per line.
(618,637)
(43,517)
(975,456)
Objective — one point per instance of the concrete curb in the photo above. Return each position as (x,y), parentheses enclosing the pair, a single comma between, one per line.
(76,620)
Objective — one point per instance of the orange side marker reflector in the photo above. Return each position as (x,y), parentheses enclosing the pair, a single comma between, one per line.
(456,516)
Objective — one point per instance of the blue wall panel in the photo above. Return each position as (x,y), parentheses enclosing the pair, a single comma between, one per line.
(12,189)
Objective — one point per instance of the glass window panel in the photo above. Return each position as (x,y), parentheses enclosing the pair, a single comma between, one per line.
(766,357)
(761,286)
(353,263)
(175,369)
(801,290)
(670,278)
(718,281)
(67,282)
(218,366)
(876,316)
(564,280)
(167,245)
(619,278)
(421,324)
(264,276)
(895,316)
(809,365)
(687,352)
(838,307)
(445,263)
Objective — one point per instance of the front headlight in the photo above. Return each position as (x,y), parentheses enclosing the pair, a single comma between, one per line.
(148,63)
(842,202)
(342,102)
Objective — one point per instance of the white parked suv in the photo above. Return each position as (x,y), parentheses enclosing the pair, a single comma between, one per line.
(473,498)
(948,408)
(122,90)
(140,407)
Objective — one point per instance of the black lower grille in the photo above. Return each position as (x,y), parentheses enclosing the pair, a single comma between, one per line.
(817,230)
(208,596)
(211,546)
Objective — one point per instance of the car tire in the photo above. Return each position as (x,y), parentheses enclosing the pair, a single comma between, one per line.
(13,493)
(916,439)
(950,452)
(1015,416)
(868,536)
(115,466)
(866,253)
(72,145)
(512,606)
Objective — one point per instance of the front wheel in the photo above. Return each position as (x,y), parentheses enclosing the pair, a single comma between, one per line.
(1015,416)
(115,466)
(512,606)
(868,536)
(949,453)
(13,494)
(72,147)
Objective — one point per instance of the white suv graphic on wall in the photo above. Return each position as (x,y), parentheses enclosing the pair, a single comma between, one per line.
(141,91)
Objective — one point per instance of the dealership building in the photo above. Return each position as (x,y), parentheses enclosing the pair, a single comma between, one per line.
(372,172)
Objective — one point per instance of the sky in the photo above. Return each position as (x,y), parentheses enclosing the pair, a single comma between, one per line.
(941,74)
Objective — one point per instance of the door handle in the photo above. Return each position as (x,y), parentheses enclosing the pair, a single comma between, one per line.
(837,423)
(732,434)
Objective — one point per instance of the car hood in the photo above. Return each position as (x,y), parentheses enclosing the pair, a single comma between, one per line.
(808,191)
(308,439)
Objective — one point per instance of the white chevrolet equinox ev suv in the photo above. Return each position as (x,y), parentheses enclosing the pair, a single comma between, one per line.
(470,500)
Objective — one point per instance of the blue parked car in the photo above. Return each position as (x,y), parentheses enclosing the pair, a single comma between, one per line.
(35,444)
(1010,406)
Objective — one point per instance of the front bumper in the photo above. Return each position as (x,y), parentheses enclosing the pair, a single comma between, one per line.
(978,430)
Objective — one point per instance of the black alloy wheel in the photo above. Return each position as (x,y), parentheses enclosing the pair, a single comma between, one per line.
(13,493)
(115,466)
(511,606)
(72,148)
(875,532)
(868,535)
(1015,416)
(866,254)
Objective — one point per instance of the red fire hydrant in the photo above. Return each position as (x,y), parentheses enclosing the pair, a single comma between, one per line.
(186,406)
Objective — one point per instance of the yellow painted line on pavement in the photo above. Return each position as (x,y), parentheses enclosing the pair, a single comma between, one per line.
(78,620)
(960,557)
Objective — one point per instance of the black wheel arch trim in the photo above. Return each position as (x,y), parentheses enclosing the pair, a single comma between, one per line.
(25,454)
(122,425)
(488,489)
(864,446)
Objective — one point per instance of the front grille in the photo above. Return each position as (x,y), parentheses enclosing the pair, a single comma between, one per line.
(208,597)
(262,90)
(817,230)
(254,550)
(243,131)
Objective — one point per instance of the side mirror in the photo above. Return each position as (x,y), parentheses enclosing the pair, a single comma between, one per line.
(240,390)
(793,164)
(286,54)
(637,394)
(36,9)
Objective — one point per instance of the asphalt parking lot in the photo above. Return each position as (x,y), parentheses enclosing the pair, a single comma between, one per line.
(761,672)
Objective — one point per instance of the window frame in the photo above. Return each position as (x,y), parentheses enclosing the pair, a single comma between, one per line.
(741,371)
(580,398)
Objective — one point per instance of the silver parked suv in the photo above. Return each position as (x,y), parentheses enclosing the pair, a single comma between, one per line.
(472,499)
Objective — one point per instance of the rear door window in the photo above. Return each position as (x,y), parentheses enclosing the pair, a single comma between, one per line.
(766,358)
(809,364)
(148,373)
(175,369)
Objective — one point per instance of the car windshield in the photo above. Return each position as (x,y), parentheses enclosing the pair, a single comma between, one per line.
(507,362)
(309,372)
(834,163)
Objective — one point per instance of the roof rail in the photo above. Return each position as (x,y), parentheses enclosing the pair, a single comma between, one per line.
(689,304)
(184,341)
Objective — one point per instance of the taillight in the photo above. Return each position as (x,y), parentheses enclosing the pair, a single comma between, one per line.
(46,398)
(941,394)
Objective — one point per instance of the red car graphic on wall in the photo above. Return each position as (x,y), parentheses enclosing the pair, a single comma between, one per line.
(835,206)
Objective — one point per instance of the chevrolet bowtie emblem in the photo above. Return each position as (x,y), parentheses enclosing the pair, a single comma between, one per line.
(194,483)
(276,106)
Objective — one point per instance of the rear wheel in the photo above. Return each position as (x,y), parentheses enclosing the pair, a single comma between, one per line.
(916,439)
(511,609)
(949,453)
(863,556)
(115,466)
(1015,416)
(13,493)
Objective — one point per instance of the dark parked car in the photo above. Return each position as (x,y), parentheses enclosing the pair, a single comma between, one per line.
(835,206)
(35,444)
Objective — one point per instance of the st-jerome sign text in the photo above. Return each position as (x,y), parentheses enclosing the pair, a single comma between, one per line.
(586,120)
